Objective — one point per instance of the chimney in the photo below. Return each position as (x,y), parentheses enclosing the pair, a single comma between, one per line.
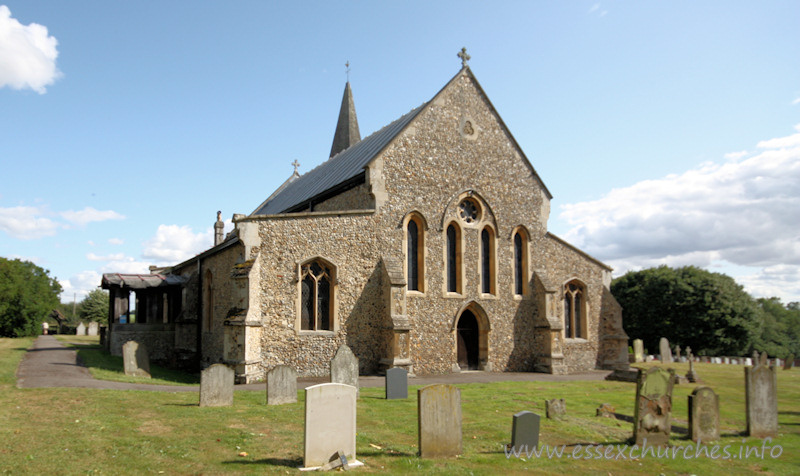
(219,229)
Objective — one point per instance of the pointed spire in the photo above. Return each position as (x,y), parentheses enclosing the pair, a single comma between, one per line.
(347,132)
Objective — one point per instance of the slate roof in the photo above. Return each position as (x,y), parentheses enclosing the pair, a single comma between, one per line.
(140,281)
(340,168)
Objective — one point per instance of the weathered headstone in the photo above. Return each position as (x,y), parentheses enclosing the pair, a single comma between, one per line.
(330,425)
(606,410)
(344,367)
(727,360)
(691,375)
(216,386)
(80,330)
(676,353)
(135,360)
(281,385)
(789,362)
(755,357)
(91,330)
(748,361)
(396,383)
(763,358)
(439,421)
(525,431)
(555,408)
(666,354)
(703,415)
(653,406)
(638,350)
(761,400)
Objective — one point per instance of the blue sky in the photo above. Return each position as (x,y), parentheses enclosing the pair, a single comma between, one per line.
(668,132)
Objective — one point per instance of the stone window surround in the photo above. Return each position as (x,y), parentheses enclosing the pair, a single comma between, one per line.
(422,228)
(334,298)
(460,273)
(492,233)
(526,239)
(584,313)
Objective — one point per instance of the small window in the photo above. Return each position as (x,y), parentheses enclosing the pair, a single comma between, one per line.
(415,254)
(487,261)
(574,310)
(453,258)
(520,262)
(315,296)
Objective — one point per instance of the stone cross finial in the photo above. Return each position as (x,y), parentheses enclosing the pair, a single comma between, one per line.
(464,57)
(219,216)
(296,165)
(347,70)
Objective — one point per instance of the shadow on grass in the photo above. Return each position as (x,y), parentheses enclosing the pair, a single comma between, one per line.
(674,429)
(94,357)
(293,463)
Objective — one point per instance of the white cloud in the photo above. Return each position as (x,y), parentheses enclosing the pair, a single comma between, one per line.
(796,102)
(89,214)
(116,241)
(79,285)
(26,223)
(111,257)
(745,213)
(173,244)
(735,155)
(27,54)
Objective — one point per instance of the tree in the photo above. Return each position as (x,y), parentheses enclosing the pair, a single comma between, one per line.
(779,328)
(27,296)
(707,311)
(94,306)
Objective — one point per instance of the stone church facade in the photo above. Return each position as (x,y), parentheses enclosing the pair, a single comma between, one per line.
(423,246)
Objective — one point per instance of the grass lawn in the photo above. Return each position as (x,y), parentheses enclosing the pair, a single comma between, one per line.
(85,431)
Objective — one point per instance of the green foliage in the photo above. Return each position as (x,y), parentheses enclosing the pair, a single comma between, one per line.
(779,328)
(94,306)
(27,296)
(707,311)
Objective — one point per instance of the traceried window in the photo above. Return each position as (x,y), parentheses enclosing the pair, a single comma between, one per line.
(453,258)
(469,211)
(415,254)
(316,300)
(574,310)
(487,260)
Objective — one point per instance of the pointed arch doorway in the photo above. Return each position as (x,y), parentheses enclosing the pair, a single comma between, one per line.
(471,328)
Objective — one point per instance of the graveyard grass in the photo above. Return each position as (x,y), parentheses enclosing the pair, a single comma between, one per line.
(71,431)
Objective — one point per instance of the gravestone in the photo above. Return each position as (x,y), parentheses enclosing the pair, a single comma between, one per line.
(216,386)
(91,330)
(330,425)
(606,410)
(439,421)
(789,362)
(691,375)
(676,353)
(135,359)
(649,358)
(555,408)
(761,400)
(80,330)
(755,357)
(763,358)
(525,431)
(748,361)
(638,350)
(666,354)
(281,385)
(703,415)
(344,367)
(653,406)
(727,360)
(396,383)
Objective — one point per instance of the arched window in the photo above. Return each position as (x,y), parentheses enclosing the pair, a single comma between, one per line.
(316,300)
(520,262)
(208,300)
(487,260)
(453,258)
(574,310)
(415,254)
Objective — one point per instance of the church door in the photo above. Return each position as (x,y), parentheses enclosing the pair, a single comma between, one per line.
(467,341)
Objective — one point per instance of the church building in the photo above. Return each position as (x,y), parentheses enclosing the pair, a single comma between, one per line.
(423,246)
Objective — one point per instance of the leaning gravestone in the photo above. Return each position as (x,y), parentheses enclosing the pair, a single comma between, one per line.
(281,385)
(330,426)
(638,350)
(653,406)
(555,408)
(703,415)
(135,359)
(439,421)
(761,399)
(216,386)
(80,330)
(396,384)
(789,362)
(666,354)
(525,431)
(344,367)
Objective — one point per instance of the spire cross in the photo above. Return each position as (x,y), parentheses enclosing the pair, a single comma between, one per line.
(347,70)
(464,57)
(296,165)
